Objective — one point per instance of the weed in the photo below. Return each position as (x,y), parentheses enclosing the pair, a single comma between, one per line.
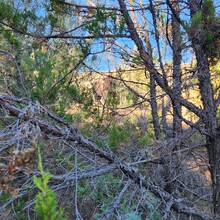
(45,201)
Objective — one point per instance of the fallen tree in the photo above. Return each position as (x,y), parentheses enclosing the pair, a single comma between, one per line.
(32,121)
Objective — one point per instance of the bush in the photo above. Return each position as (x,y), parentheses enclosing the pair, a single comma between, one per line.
(116,134)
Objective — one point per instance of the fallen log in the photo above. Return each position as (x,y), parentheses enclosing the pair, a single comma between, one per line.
(72,134)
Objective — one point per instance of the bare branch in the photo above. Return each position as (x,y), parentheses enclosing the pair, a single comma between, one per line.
(115,203)
(150,65)
(128,170)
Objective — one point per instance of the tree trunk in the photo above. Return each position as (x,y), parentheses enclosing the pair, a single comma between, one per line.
(165,127)
(153,103)
(177,73)
(213,145)
(210,119)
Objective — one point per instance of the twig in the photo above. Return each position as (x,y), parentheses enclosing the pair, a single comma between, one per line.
(115,203)
(78,216)
(20,76)
(62,78)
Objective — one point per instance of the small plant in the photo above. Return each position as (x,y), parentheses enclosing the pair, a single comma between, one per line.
(116,135)
(45,201)
(100,143)
(152,203)
(132,216)
(144,140)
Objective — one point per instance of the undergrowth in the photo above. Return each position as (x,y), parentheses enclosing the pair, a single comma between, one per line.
(45,201)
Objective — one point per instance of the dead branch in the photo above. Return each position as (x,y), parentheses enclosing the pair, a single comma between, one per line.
(116,202)
(73,135)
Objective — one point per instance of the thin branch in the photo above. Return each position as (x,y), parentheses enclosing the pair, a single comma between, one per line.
(78,216)
(157,38)
(101,6)
(71,176)
(20,76)
(61,36)
(62,78)
(114,205)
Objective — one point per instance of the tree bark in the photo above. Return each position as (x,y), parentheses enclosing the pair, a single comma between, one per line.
(207,97)
(177,73)
(153,103)
(213,145)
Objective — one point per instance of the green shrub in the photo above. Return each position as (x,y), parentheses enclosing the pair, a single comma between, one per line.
(147,137)
(116,134)
(100,143)
(144,140)
(132,216)
(152,203)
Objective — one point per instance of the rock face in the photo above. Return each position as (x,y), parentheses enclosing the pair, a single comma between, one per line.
(101,87)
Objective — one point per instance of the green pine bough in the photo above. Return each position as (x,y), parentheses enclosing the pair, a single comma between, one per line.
(45,201)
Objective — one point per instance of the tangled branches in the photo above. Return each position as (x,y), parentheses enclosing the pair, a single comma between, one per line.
(144,180)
